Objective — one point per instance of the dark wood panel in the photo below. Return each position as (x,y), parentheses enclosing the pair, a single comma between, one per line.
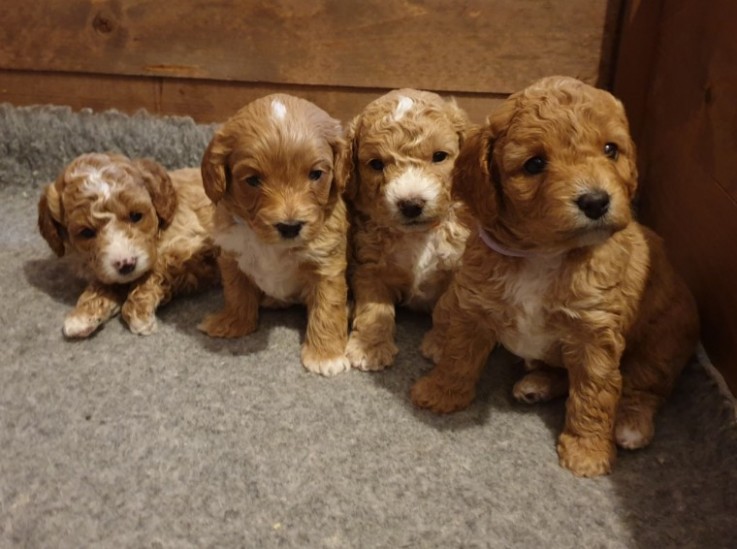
(639,32)
(204,100)
(701,237)
(472,46)
(688,193)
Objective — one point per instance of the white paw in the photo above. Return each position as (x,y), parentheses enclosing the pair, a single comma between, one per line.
(143,326)
(365,357)
(78,327)
(630,438)
(326,367)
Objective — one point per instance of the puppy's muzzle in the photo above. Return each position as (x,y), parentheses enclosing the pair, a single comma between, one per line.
(411,209)
(289,230)
(125,266)
(594,204)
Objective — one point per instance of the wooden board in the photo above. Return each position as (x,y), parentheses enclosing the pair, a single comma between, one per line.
(639,33)
(204,100)
(480,46)
(689,191)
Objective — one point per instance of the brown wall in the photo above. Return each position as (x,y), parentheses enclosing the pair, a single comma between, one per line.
(688,136)
(206,59)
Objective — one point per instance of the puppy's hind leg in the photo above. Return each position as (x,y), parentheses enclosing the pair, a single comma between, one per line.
(451,384)
(239,317)
(541,384)
(432,343)
(635,427)
(647,379)
(661,346)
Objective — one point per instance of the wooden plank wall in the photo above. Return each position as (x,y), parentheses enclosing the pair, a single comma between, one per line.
(687,125)
(206,59)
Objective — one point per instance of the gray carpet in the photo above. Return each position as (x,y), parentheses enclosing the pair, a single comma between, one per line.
(177,440)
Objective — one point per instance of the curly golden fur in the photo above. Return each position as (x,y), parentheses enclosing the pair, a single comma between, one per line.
(273,171)
(560,274)
(138,234)
(408,233)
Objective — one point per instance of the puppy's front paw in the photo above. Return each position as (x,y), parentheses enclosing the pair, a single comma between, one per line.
(365,356)
(142,325)
(227,325)
(432,347)
(141,320)
(586,456)
(440,396)
(326,366)
(79,326)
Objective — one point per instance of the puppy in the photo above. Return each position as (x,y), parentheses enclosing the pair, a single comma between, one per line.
(408,234)
(281,222)
(138,234)
(560,274)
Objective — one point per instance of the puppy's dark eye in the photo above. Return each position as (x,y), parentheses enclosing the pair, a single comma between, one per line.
(135,217)
(87,233)
(439,156)
(376,164)
(535,165)
(315,175)
(253,181)
(611,150)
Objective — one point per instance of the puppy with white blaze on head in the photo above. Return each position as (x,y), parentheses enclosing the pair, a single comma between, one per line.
(408,233)
(273,171)
(138,234)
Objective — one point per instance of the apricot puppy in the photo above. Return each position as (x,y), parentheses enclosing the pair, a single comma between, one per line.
(281,223)
(138,234)
(408,234)
(561,275)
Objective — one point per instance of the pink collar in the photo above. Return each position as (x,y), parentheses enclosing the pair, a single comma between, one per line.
(498,248)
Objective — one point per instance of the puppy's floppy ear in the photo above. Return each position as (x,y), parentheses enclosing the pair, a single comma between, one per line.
(345,165)
(499,120)
(477,178)
(632,159)
(159,186)
(50,218)
(458,117)
(472,177)
(215,172)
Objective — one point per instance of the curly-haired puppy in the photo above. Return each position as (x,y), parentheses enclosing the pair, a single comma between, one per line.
(281,222)
(408,234)
(140,235)
(561,275)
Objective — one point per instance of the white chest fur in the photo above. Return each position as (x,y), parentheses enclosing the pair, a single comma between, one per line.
(429,258)
(274,269)
(530,334)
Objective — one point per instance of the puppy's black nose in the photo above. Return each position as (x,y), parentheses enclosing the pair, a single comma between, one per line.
(594,204)
(125,266)
(411,208)
(289,230)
